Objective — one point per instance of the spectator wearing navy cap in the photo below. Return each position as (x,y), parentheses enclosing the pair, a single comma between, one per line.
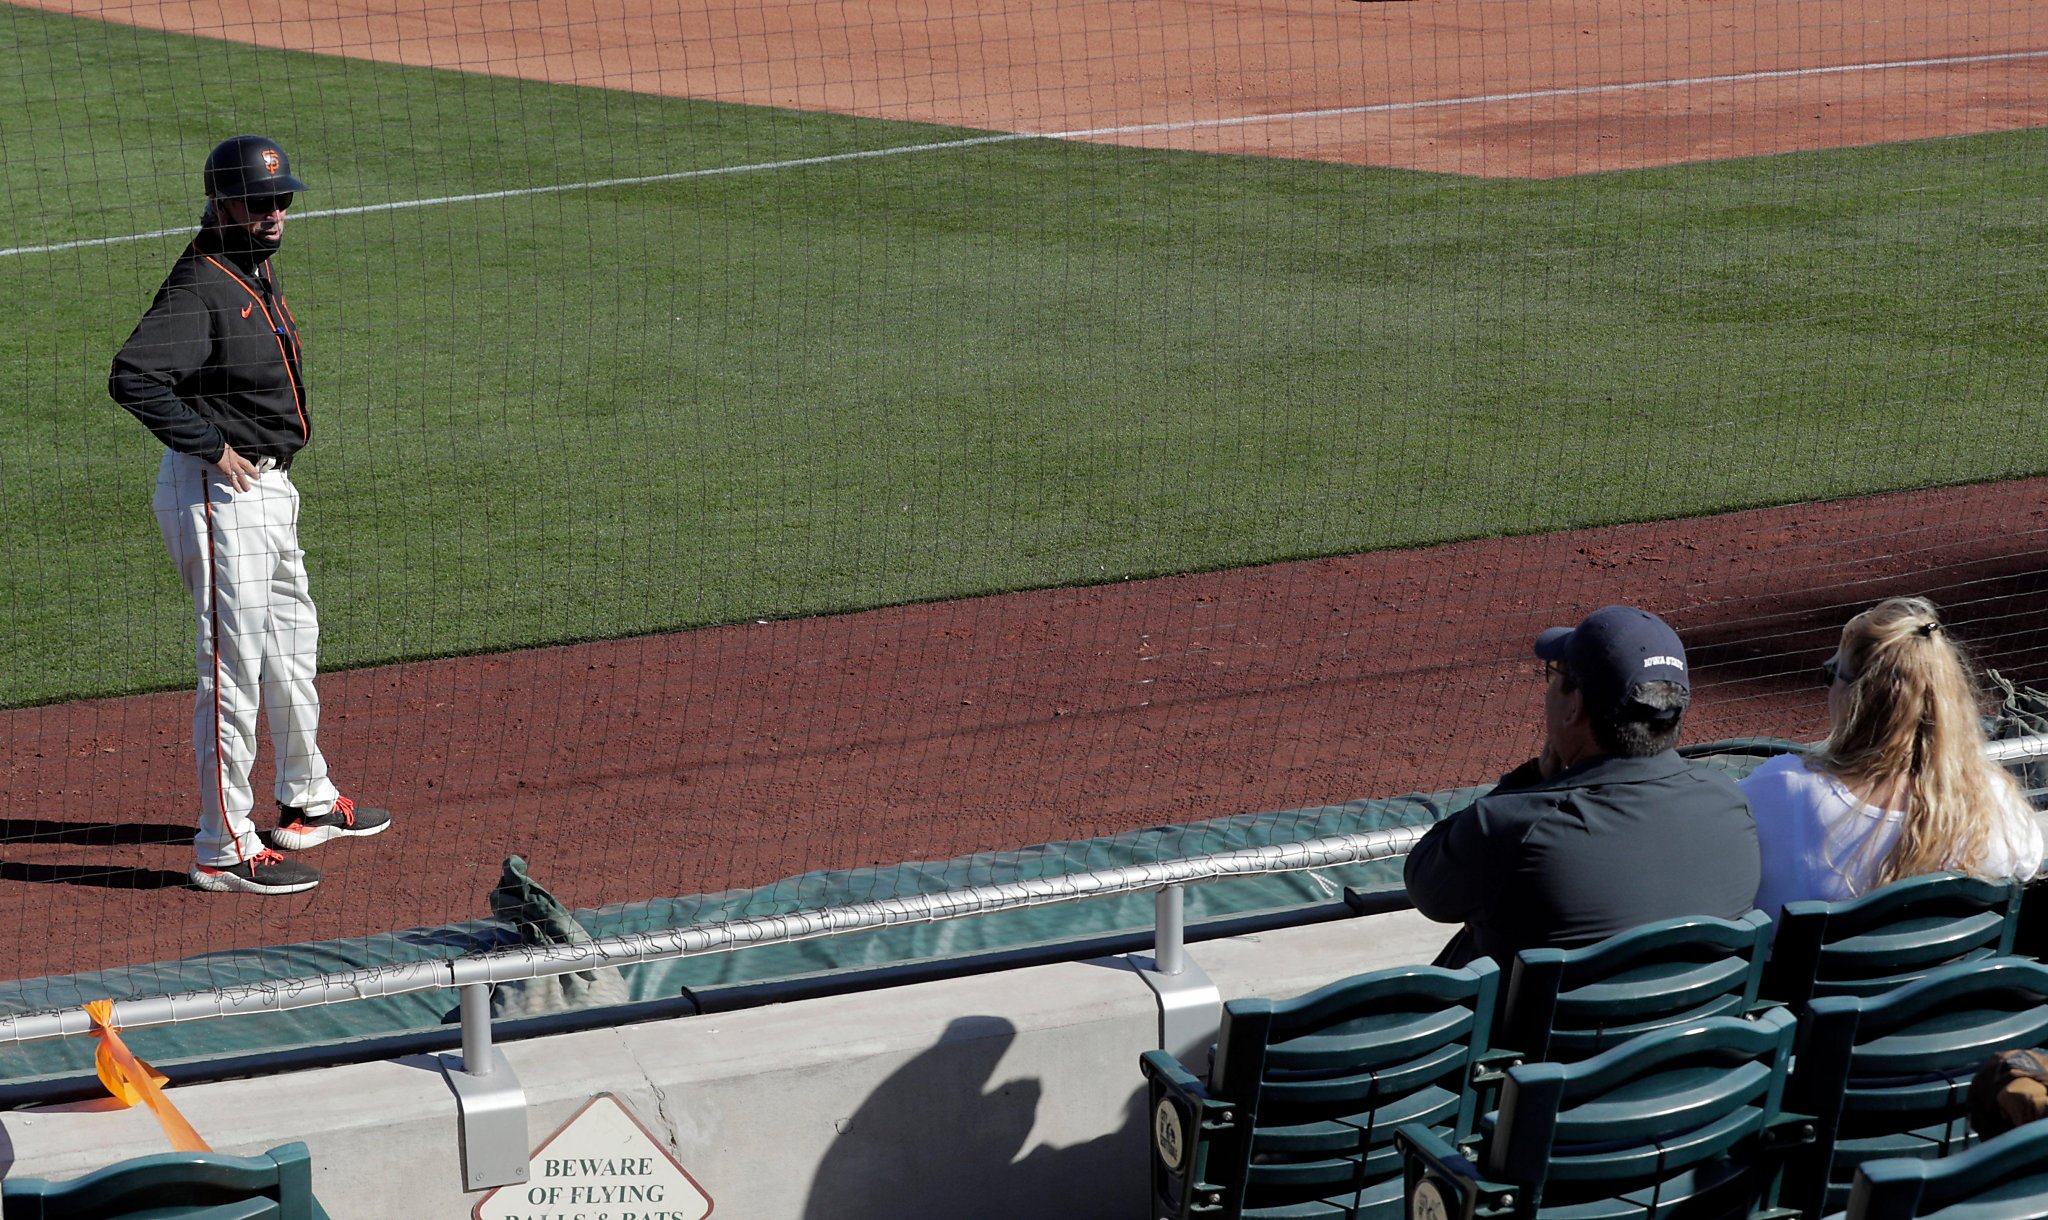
(1608,827)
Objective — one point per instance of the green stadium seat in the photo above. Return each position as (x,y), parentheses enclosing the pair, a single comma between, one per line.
(1889,1076)
(2001,1179)
(1564,1005)
(1298,1115)
(1684,1121)
(277,1185)
(1892,935)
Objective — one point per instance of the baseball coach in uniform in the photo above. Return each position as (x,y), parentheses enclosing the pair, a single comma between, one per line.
(213,370)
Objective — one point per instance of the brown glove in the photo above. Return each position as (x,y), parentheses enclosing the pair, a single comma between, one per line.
(2011,1088)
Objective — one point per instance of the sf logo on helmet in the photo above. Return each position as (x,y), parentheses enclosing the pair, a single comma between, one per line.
(270,160)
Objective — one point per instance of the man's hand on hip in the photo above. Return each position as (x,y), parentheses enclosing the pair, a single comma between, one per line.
(236,469)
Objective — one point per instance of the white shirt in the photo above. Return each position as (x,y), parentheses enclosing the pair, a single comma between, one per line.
(1820,841)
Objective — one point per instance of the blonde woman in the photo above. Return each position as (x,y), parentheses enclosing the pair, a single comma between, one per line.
(1901,786)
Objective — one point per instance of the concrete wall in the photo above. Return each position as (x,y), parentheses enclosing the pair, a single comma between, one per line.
(1011,1094)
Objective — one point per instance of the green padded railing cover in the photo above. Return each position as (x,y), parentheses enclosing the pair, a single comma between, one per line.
(198,1041)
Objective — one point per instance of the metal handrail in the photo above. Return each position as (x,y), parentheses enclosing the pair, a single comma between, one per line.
(2032,746)
(540,961)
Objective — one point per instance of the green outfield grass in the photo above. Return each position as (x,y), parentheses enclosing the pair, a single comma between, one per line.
(598,413)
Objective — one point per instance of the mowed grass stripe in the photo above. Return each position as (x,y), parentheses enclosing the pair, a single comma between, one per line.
(1088,133)
(594,414)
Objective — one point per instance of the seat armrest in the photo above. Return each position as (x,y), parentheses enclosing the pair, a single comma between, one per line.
(1788,1132)
(1442,1183)
(1489,1073)
(1163,1069)
(1185,1124)
(1493,1063)
(1424,1146)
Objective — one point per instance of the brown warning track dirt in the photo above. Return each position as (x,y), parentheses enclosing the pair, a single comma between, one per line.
(737,756)
(1398,84)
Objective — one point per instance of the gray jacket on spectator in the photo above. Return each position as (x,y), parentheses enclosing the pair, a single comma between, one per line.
(1594,850)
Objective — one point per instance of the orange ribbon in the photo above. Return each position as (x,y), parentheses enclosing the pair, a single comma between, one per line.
(131,1080)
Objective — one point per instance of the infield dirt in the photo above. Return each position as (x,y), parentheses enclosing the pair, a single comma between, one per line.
(1498,88)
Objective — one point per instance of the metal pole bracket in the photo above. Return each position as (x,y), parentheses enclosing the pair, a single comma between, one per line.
(490,1103)
(1190,1005)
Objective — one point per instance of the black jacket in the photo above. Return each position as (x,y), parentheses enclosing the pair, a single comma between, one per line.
(215,361)
(1594,850)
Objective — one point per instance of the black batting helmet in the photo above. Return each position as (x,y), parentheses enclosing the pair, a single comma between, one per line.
(248,165)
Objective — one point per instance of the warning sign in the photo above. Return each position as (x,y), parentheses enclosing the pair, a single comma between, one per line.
(602,1165)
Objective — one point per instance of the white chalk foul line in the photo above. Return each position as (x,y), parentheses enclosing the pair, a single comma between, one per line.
(399,205)
(1486,99)
(1082,133)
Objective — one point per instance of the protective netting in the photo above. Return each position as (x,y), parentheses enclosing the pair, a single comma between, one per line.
(751,442)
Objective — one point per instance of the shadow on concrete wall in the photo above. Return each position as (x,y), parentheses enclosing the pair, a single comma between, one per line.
(938,1139)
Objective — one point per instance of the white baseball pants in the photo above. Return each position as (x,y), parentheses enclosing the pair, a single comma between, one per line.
(238,555)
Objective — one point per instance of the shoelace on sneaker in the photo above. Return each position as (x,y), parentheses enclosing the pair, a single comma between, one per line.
(346,808)
(268,855)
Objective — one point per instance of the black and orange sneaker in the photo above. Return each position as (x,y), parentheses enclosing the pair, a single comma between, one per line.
(298,830)
(266,872)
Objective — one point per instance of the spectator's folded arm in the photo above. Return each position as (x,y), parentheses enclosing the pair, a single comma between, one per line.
(1445,873)
(1449,873)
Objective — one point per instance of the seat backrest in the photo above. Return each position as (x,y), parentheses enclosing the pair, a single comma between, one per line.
(1893,935)
(1568,1004)
(1326,1078)
(277,1185)
(2001,1179)
(1889,1075)
(1681,1113)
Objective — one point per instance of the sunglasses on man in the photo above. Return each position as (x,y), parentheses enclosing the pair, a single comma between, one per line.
(264,205)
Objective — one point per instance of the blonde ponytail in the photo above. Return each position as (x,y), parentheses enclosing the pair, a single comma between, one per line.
(1909,721)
